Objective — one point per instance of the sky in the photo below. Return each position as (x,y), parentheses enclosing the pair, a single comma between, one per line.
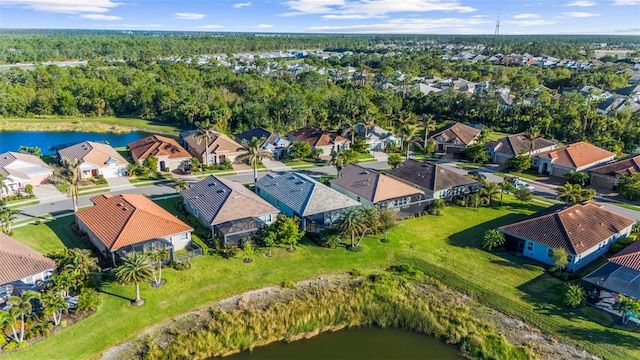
(330,16)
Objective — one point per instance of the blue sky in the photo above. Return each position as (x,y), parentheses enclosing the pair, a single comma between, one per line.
(334,16)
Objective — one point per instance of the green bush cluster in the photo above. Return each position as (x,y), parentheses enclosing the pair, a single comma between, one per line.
(622,243)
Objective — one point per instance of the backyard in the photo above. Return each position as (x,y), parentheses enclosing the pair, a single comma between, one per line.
(445,247)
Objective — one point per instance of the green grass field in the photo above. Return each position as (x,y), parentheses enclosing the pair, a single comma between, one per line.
(445,247)
(106,124)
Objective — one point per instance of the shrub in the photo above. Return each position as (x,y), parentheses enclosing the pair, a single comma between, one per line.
(288,284)
(180,265)
(461,202)
(14,345)
(493,239)
(88,300)
(227,251)
(574,296)
(28,189)
(37,222)
(63,323)
(330,240)
(356,272)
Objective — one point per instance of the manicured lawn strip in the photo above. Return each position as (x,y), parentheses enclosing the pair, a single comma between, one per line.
(300,162)
(627,206)
(444,247)
(495,135)
(468,166)
(92,124)
(149,178)
(49,236)
(23,204)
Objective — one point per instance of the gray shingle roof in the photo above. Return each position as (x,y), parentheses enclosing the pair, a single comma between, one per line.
(429,175)
(304,195)
(517,143)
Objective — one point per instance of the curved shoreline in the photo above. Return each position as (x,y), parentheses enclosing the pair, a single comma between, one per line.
(523,338)
(75,125)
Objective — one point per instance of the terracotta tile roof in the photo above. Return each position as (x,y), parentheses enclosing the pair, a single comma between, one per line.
(576,155)
(626,166)
(128,219)
(220,143)
(628,257)
(464,133)
(18,261)
(316,136)
(157,145)
(91,152)
(517,143)
(430,176)
(573,227)
(8,164)
(371,185)
(220,200)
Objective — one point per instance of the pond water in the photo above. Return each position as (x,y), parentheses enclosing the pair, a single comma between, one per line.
(359,343)
(45,140)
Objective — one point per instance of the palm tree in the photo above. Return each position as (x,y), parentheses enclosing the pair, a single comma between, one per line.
(3,186)
(7,216)
(429,126)
(531,135)
(54,305)
(180,184)
(489,192)
(343,158)
(135,269)
(21,307)
(158,255)
(627,306)
(409,136)
(387,220)
(370,219)
(570,193)
(493,239)
(255,153)
(71,175)
(205,133)
(574,296)
(351,223)
(505,186)
(8,319)
(78,264)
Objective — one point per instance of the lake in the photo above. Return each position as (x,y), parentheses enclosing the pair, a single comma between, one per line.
(12,140)
(359,343)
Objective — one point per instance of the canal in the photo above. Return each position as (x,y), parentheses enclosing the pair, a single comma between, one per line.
(45,140)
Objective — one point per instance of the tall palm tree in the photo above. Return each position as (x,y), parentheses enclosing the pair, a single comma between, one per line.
(429,126)
(21,307)
(54,304)
(370,220)
(78,264)
(490,191)
(205,133)
(343,158)
(351,223)
(158,256)
(71,175)
(255,153)
(409,135)
(531,135)
(7,216)
(569,193)
(627,306)
(7,318)
(180,184)
(135,268)
(4,189)
(505,186)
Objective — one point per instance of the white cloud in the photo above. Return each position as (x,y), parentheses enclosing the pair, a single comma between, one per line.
(100,17)
(264,26)
(211,26)
(368,9)
(626,2)
(531,22)
(412,26)
(65,6)
(132,26)
(241,5)
(577,14)
(527,16)
(189,16)
(581,3)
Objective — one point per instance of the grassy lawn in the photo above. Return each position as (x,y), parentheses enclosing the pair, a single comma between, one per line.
(495,135)
(93,124)
(299,162)
(468,166)
(628,206)
(155,177)
(445,247)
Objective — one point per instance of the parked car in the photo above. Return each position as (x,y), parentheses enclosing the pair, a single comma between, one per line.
(524,185)
(477,173)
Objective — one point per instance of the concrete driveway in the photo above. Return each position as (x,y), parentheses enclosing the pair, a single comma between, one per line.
(47,192)
(118,182)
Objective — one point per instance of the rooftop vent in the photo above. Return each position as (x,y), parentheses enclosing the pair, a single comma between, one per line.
(119,204)
(299,182)
(125,209)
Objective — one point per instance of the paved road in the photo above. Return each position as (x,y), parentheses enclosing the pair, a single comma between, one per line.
(56,207)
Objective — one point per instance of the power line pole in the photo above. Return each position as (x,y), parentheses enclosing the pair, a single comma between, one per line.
(497,25)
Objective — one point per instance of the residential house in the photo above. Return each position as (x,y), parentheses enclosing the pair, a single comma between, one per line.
(318,206)
(608,176)
(228,208)
(270,141)
(503,149)
(436,181)
(376,137)
(169,153)
(123,223)
(320,139)
(371,188)
(21,268)
(575,157)
(221,147)
(584,230)
(621,273)
(454,137)
(20,169)
(95,159)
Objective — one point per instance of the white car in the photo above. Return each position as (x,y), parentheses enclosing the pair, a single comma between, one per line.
(523,185)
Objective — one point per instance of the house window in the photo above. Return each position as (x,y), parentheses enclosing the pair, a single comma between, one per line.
(358,198)
(571,259)
(28,280)
(268,218)
(400,202)
(46,275)
(184,237)
(529,246)
(195,212)
(550,253)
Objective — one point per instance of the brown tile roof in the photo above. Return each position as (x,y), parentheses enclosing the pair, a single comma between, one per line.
(626,166)
(429,175)
(576,155)
(628,257)
(157,145)
(573,227)
(220,143)
(316,136)
(91,152)
(517,143)
(128,219)
(464,133)
(371,185)
(18,261)
(220,200)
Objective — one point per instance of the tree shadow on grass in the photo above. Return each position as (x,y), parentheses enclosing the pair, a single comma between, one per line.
(62,228)
(105,288)
(602,336)
(472,237)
